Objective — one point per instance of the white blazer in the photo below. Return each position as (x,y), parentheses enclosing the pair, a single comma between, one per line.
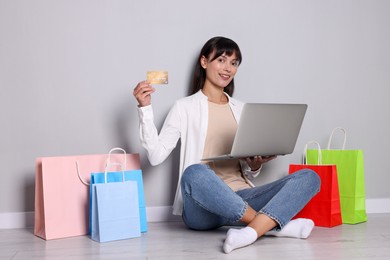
(187,120)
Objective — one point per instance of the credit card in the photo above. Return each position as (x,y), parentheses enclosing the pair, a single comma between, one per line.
(157,77)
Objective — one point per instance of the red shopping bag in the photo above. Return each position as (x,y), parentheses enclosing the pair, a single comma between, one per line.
(323,208)
(61,198)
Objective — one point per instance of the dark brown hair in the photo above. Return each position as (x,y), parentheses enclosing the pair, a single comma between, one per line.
(218,46)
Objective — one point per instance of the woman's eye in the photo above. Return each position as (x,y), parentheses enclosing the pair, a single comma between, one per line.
(221,60)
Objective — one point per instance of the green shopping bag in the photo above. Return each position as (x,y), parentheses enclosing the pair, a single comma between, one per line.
(350,170)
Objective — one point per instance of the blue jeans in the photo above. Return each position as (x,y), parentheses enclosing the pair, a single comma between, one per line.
(209,203)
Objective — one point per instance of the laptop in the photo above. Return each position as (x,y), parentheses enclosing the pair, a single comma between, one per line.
(266,129)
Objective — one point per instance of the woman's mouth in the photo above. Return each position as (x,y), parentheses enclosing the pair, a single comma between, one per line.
(224,76)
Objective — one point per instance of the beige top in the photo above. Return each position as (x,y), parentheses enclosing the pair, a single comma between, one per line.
(219,140)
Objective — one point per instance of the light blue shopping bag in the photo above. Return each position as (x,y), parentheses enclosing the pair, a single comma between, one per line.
(130,175)
(114,209)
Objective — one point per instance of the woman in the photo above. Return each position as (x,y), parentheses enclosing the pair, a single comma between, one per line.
(215,194)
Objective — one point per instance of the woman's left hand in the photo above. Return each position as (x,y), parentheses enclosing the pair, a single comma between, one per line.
(255,162)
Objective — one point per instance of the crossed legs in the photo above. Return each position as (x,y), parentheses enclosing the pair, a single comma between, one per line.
(266,210)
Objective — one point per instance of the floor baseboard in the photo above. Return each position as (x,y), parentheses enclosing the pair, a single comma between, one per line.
(159,214)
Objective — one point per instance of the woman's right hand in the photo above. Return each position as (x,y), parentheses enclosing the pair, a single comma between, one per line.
(142,92)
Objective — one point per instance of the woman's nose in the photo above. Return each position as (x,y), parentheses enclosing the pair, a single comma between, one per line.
(228,66)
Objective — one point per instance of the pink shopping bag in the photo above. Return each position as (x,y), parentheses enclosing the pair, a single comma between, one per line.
(61,197)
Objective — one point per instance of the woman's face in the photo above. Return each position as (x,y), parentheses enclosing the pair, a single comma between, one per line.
(220,72)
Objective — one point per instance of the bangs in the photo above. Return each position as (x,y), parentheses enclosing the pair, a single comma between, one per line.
(228,47)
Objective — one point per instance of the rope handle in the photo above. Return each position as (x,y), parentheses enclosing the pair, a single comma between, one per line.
(331,136)
(319,160)
(108,165)
(78,174)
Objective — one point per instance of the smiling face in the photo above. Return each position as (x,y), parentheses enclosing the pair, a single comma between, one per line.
(220,71)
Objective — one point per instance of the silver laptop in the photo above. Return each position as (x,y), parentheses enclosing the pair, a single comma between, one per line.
(266,129)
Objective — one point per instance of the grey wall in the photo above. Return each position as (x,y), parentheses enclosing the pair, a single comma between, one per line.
(67,70)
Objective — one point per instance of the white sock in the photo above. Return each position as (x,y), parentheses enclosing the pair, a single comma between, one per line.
(296,228)
(236,238)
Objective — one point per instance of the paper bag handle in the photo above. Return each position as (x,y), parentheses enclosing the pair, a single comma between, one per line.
(319,161)
(331,136)
(109,163)
(78,174)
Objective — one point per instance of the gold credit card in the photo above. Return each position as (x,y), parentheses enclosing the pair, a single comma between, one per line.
(157,77)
